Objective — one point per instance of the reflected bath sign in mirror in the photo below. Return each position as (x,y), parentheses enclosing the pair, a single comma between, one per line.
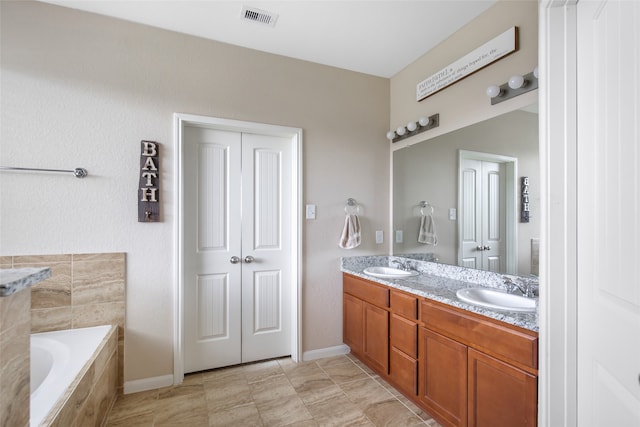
(475,174)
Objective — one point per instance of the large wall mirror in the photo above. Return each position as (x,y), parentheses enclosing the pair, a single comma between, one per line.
(472,178)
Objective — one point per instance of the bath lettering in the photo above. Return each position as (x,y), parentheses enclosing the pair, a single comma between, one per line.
(149,185)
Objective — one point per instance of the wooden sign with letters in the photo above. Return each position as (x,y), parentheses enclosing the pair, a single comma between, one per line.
(149,186)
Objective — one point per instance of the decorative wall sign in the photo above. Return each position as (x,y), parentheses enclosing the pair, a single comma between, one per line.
(149,186)
(495,49)
(524,199)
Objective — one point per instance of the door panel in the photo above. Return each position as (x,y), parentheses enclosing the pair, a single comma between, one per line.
(211,238)
(608,210)
(266,237)
(470,214)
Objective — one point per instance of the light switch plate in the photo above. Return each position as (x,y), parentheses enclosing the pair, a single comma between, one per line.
(452,214)
(399,236)
(311,212)
(379,236)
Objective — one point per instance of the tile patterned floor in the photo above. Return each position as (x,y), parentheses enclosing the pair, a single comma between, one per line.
(336,391)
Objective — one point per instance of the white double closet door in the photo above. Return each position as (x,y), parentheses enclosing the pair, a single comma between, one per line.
(237,247)
(482,212)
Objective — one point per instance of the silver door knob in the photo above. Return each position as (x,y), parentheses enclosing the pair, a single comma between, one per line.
(234,259)
(487,248)
(480,248)
(248,259)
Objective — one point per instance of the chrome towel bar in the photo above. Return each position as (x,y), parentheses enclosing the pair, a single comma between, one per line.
(77,172)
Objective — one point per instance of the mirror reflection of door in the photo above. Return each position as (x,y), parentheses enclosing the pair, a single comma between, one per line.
(487,223)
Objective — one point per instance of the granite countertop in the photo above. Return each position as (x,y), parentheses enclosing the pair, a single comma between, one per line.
(440,283)
(14,279)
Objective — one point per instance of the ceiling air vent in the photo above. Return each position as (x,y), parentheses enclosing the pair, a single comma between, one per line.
(259,16)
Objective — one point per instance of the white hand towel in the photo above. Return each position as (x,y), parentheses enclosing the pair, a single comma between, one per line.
(350,237)
(427,233)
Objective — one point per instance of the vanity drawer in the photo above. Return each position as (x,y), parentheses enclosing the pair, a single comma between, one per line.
(404,335)
(505,341)
(404,305)
(365,290)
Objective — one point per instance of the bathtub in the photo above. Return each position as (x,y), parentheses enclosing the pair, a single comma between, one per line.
(58,361)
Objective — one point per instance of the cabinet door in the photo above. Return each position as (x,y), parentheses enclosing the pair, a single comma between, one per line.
(353,323)
(443,377)
(499,394)
(376,337)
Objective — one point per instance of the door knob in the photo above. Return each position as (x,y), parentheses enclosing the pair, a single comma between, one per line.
(480,248)
(234,259)
(248,259)
(487,248)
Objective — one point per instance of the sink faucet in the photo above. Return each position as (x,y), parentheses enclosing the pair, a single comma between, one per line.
(402,265)
(525,288)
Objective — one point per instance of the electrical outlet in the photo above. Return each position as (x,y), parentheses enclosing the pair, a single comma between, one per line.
(399,236)
(452,214)
(379,236)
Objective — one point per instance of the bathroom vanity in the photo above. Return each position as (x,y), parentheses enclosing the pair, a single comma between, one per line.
(464,365)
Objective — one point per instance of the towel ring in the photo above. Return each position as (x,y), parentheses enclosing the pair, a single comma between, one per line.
(351,206)
(423,205)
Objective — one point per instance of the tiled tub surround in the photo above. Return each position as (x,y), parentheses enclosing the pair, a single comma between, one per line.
(14,343)
(440,282)
(83,290)
(90,396)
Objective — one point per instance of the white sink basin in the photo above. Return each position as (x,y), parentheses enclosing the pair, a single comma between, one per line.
(497,300)
(389,272)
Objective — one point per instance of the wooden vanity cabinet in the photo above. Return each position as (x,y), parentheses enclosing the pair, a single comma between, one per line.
(475,371)
(403,353)
(463,368)
(366,321)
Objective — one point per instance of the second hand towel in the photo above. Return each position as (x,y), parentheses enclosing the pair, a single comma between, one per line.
(427,233)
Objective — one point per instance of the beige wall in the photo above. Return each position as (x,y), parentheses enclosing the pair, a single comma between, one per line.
(79,90)
(465,102)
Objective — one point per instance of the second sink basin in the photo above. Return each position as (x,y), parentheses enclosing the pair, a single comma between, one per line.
(497,300)
(389,272)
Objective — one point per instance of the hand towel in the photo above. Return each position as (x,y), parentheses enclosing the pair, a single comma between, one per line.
(350,237)
(427,233)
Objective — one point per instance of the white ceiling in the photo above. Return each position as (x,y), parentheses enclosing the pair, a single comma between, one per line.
(372,37)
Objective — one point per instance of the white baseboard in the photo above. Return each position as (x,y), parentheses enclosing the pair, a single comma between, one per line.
(325,352)
(147,384)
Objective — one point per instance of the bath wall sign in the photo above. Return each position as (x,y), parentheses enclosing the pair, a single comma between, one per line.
(149,185)
(524,199)
(493,50)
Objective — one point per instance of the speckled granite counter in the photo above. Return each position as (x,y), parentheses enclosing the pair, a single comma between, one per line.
(439,282)
(14,279)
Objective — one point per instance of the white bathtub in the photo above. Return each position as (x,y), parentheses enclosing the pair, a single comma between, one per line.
(56,360)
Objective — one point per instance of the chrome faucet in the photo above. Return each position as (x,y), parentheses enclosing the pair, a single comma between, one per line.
(525,288)
(402,265)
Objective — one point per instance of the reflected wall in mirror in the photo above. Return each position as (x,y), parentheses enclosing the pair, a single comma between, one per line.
(429,171)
